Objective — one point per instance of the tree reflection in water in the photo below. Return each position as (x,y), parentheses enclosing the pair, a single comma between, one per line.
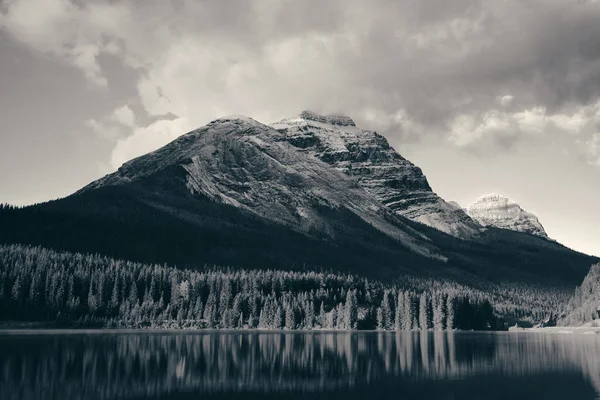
(231,364)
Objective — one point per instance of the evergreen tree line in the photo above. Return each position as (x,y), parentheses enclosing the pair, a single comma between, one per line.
(71,289)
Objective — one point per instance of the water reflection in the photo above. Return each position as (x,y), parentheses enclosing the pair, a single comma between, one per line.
(299,365)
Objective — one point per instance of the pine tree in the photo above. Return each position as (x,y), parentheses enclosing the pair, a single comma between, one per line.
(226,297)
(237,306)
(423,317)
(322,316)
(351,310)
(197,313)
(289,317)
(262,319)
(35,289)
(278,320)
(253,318)
(91,298)
(340,318)
(386,309)
(380,319)
(408,314)
(438,312)
(17,290)
(133,294)
(398,325)
(114,298)
(331,318)
(450,313)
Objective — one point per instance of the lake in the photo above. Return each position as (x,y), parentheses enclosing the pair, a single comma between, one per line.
(299,365)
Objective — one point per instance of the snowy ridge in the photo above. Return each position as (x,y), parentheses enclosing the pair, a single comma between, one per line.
(379,169)
(496,210)
(340,120)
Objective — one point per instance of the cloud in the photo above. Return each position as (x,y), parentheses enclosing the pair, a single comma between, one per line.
(62,28)
(592,147)
(146,139)
(495,128)
(483,74)
(103,130)
(124,115)
(506,100)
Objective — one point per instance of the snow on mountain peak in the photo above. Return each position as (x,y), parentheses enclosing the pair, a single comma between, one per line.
(340,120)
(496,210)
(235,119)
(493,197)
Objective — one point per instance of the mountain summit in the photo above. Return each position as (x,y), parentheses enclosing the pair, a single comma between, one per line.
(496,210)
(368,157)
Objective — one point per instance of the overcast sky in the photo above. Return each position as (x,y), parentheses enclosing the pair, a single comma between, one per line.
(485,96)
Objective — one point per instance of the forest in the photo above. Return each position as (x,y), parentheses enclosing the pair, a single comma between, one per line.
(76,290)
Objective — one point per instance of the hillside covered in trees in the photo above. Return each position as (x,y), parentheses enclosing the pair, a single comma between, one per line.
(69,289)
(584,306)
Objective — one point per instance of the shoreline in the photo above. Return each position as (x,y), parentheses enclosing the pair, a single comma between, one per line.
(569,330)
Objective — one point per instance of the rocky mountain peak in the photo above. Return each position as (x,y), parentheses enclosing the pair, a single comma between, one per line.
(378,168)
(499,211)
(340,120)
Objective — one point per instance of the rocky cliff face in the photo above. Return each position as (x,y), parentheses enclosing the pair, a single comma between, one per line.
(498,211)
(377,167)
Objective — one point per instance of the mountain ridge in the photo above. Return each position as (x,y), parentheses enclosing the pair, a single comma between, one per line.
(240,193)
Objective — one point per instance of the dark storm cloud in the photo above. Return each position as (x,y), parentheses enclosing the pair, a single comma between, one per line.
(545,54)
(409,67)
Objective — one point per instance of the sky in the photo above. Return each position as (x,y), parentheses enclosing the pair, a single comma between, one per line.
(485,96)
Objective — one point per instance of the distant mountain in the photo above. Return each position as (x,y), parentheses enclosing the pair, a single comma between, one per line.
(379,169)
(306,193)
(498,211)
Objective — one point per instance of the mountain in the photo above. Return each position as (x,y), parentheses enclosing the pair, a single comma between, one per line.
(498,211)
(379,169)
(247,195)
(240,162)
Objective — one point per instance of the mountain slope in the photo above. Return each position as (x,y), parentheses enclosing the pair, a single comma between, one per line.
(378,168)
(498,211)
(584,306)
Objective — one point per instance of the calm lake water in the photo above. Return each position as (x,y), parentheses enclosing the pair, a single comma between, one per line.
(251,365)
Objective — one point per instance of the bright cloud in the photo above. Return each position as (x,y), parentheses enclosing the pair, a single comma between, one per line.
(505,128)
(506,100)
(124,115)
(146,139)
